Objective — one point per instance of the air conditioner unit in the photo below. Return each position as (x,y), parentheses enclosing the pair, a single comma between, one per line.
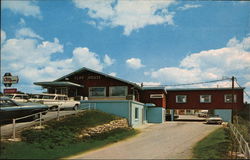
(130,97)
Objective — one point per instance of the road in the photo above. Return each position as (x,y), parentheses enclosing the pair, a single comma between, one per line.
(169,140)
(7,129)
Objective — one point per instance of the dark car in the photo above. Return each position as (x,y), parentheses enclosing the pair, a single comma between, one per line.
(10,109)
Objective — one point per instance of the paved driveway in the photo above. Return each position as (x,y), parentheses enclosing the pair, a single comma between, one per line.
(156,141)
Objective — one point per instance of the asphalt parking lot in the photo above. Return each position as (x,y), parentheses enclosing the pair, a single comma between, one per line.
(169,140)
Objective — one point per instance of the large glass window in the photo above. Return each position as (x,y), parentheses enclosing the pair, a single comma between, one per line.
(181,98)
(97,91)
(228,98)
(118,91)
(205,98)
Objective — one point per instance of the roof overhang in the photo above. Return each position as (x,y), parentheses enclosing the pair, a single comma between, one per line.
(58,84)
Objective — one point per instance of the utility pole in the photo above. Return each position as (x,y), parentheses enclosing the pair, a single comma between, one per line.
(236,112)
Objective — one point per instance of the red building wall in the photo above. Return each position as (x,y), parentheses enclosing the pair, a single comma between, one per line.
(193,99)
(91,79)
(159,102)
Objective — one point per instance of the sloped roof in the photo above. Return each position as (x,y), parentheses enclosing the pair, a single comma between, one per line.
(56,83)
(103,74)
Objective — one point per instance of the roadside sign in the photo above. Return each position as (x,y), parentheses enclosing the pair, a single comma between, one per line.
(9,90)
(8,79)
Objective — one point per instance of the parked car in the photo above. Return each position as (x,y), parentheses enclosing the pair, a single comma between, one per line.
(203,113)
(18,97)
(55,101)
(215,119)
(10,109)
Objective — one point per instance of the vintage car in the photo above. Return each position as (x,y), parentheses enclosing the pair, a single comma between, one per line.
(215,119)
(10,109)
(18,97)
(55,101)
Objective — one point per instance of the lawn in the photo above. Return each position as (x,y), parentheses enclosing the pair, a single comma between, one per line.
(59,139)
(214,146)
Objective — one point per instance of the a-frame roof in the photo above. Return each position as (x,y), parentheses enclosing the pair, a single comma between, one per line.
(103,74)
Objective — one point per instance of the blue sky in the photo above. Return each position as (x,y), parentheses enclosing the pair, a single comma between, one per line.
(155,42)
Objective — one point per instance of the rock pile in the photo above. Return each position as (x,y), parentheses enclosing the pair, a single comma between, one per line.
(120,123)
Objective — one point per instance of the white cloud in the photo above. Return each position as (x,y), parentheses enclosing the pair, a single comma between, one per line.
(82,56)
(3,36)
(130,14)
(27,8)
(113,74)
(22,22)
(31,59)
(108,61)
(234,59)
(189,6)
(134,63)
(27,32)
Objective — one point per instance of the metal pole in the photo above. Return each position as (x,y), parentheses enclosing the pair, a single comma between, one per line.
(58,111)
(14,129)
(40,119)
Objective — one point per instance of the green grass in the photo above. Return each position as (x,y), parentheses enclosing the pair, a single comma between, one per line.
(214,146)
(59,139)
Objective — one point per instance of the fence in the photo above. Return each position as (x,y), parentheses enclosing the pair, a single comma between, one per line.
(41,118)
(243,147)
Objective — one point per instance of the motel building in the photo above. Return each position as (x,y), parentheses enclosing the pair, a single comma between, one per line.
(143,104)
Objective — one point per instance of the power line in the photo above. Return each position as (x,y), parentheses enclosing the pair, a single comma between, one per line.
(242,88)
(185,84)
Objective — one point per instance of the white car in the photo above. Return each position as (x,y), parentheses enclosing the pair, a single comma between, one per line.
(55,101)
(18,97)
(214,120)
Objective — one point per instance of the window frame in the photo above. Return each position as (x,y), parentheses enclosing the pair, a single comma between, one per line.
(234,97)
(136,113)
(110,91)
(160,96)
(176,99)
(97,96)
(210,98)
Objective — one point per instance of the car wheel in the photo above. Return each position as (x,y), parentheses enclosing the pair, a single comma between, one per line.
(54,108)
(76,107)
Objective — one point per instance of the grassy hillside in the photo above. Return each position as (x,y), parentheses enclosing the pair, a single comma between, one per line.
(59,139)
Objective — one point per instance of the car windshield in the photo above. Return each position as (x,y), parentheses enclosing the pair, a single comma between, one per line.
(7,103)
(48,97)
(10,96)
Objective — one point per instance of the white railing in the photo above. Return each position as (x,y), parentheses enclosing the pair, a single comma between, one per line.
(88,106)
(243,145)
(41,116)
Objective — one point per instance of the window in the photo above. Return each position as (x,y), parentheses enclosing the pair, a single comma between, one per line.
(118,91)
(205,98)
(181,99)
(97,91)
(136,113)
(156,95)
(228,98)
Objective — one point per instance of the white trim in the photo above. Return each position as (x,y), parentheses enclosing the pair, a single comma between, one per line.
(176,99)
(210,98)
(235,98)
(156,95)
(97,87)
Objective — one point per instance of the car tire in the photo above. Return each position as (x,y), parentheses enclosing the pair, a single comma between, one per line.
(54,108)
(76,107)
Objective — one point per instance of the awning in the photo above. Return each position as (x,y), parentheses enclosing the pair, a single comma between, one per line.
(58,84)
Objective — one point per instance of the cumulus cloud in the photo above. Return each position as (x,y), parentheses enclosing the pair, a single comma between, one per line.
(108,61)
(3,36)
(27,32)
(134,63)
(189,6)
(26,8)
(130,14)
(234,59)
(31,59)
